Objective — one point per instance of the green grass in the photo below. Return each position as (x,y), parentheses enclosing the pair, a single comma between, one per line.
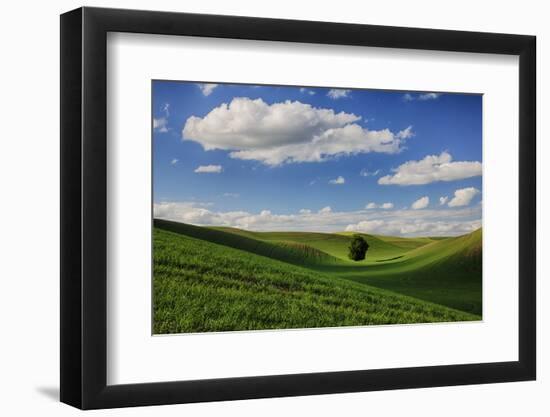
(284,250)
(409,243)
(446,272)
(334,244)
(203,286)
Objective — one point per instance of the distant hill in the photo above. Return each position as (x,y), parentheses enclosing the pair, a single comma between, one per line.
(202,286)
(446,271)
(284,250)
(335,244)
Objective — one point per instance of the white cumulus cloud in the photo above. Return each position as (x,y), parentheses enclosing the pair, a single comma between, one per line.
(207,88)
(209,169)
(338,181)
(383,206)
(463,197)
(306,91)
(160,124)
(406,222)
(174,161)
(431,169)
(443,200)
(336,93)
(421,97)
(415,227)
(429,96)
(287,132)
(421,203)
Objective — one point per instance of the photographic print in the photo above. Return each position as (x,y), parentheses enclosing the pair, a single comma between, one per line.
(294,207)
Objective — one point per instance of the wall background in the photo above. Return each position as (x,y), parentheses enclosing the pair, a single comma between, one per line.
(29,225)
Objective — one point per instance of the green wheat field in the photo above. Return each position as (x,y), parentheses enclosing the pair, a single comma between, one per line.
(213,279)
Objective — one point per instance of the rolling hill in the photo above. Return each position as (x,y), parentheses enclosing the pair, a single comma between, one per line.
(444,271)
(447,272)
(293,252)
(202,286)
(335,244)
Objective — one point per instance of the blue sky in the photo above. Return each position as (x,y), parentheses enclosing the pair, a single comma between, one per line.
(303,158)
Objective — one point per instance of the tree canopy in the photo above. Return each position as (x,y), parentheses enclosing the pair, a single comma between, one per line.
(358,248)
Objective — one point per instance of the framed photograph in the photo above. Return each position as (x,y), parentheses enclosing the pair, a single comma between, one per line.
(257,208)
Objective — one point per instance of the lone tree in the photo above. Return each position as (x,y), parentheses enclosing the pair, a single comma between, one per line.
(358,248)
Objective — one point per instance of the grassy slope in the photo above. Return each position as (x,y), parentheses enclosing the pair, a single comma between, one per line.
(287,251)
(202,286)
(433,269)
(446,272)
(408,243)
(335,244)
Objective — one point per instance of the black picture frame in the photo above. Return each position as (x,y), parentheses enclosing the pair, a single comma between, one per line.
(84,207)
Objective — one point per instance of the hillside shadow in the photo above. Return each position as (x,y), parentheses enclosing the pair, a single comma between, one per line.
(390,259)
